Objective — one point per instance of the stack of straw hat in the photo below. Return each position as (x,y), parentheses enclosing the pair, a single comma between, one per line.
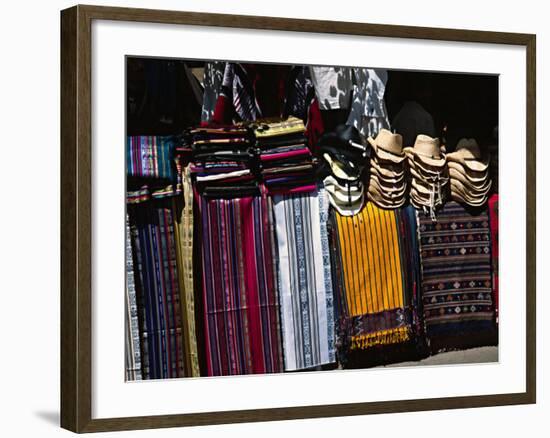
(428,173)
(469,174)
(387,183)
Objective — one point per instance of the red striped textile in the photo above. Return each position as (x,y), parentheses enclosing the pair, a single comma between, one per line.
(241,306)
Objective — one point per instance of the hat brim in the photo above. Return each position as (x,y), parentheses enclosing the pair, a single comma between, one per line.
(386,205)
(472,164)
(338,170)
(415,163)
(345,209)
(390,190)
(382,197)
(388,175)
(428,161)
(478,186)
(455,196)
(471,175)
(386,171)
(384,155)
(343,197)
(468,194)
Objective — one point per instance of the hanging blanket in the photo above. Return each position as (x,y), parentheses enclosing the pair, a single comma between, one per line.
(376,308)
(455,254)
(242,329)
(133,347)
(305,281)
(152,230)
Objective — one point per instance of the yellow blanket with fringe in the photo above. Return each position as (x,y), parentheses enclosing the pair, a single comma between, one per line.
(372,270)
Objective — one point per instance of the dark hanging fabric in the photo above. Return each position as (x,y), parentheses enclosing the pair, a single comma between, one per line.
(157,289)
(163,97)
(455,253)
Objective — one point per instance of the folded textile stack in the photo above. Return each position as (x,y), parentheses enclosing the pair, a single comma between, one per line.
(223,161)
(345,156)
(286,163)
(387,185)
(153,168)
(469,174)
(429,174)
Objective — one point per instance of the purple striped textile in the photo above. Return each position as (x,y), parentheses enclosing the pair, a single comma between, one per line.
(241,306)
(157,289)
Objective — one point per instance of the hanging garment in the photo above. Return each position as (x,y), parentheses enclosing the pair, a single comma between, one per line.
(212,83)
(253,91)
(455,256)
(183,234)
(368,109)
(241,306)
(133,347)
(333,86)
(493,224)
(376,309)
(410,256)
(157,286)
(305,281)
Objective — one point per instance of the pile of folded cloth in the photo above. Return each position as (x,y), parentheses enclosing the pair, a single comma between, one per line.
(428,173)
(344,157)
(223,160)
(152,166)
(388,183)
(286,164)
(469,174)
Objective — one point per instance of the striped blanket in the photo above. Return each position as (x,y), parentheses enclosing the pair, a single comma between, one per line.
(241,306)
(305,281)
(157,289)
(376,309)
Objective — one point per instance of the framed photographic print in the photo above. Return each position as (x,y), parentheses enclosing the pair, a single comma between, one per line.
(268,218)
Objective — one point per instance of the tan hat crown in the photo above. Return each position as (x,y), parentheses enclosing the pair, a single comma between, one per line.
(389,142)
(427,146)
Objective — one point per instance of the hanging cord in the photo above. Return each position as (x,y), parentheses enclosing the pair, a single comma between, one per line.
(436,195)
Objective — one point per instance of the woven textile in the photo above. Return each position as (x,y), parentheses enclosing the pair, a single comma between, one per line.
(456,277)
(184,251)
(152,230)
(305,280)
(242,329)
(376,309)
(493,224)
(150,157)
(133,348)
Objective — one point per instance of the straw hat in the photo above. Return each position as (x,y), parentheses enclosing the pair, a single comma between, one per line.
(395,180)
(387,169)
(426,152)
(387,146)
(468,194)
(468,154)
(471,175)
(381,200)
(480,185)
(344,193)
(389,189)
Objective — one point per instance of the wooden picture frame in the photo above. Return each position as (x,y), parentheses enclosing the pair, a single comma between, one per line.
(76,217)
